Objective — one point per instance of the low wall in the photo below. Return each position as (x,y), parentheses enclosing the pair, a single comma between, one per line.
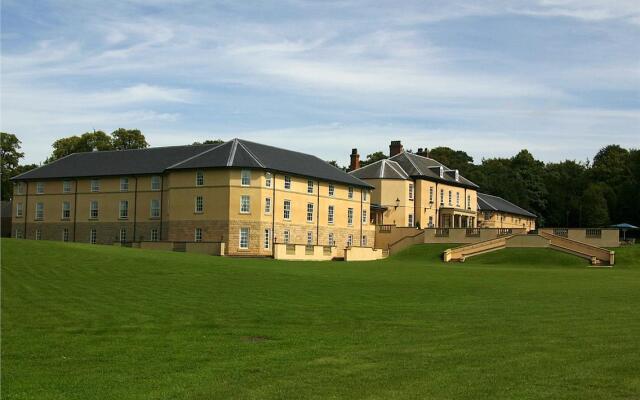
(363,254)
(387,234)
(527,241)
(210,248)
(282,251)
(165,246)
(467,235)
(600,237)
(405,242)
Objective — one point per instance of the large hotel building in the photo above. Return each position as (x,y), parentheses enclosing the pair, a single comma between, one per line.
(247,196)
(244,194)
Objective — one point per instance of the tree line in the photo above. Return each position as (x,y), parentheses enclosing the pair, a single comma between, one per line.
(120,139)
(568,193)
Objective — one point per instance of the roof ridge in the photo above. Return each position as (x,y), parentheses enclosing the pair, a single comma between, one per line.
(232,152)
(251,154)
(383,165)
(412,163)
(402,172)
(197,155)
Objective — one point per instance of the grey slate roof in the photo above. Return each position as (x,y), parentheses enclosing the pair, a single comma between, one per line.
(235,153)
(419,166)
(153,160)
(408,165)
(244,154)
(487,202)
(382,169)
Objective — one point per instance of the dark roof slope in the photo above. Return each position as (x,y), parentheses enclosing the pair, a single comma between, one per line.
(405,165)
(234,153)
(487,202)
(419,166)
(153,160)
(382,169)
(244,154)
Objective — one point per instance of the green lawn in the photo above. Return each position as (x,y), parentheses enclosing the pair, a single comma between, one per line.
(99,322)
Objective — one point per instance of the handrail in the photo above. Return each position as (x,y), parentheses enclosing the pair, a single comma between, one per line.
(412,238)
(552,236)
(576,251)
(405,237)
(464,251)
(478,244)
(578,247)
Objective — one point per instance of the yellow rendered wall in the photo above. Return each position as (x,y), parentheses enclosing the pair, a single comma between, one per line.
(388,190)
(496,219)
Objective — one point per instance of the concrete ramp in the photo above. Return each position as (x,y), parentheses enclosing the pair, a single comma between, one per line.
(463,252)
(596,255)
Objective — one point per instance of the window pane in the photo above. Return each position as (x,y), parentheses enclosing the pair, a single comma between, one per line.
(199,178)
(155,183)
(244,238)
(310,212)
(244,204)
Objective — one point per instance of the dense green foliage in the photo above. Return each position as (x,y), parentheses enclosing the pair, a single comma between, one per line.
(210,141)
(373,157)
(120,139)
(100,322)
(10,156)
(567,193)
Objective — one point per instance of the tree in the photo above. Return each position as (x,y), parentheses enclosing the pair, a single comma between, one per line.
(373,157)
(594,206)
(209,141)
(532,193)
(335,164)
(612,167)
(89,141)
(10,157)
(127,139)
(565,182)
(10,154)
(454,159)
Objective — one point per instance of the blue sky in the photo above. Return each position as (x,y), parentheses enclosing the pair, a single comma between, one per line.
(558,77)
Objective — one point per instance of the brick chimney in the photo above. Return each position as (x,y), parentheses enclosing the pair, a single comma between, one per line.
(395,148)
(355,160)
(423,152)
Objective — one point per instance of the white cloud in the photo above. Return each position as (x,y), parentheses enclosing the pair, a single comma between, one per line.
(375,70)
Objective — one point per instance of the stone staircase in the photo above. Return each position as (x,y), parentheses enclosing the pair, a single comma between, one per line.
(463,252)
(597,256)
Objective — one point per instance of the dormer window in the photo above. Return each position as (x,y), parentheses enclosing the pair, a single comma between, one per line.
(441,172)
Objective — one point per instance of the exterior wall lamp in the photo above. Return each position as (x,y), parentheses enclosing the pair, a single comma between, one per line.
(397,203)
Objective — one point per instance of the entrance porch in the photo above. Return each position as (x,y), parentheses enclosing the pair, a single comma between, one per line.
(456,218)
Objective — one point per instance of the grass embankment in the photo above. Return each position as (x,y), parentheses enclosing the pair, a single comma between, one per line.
(88,322)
